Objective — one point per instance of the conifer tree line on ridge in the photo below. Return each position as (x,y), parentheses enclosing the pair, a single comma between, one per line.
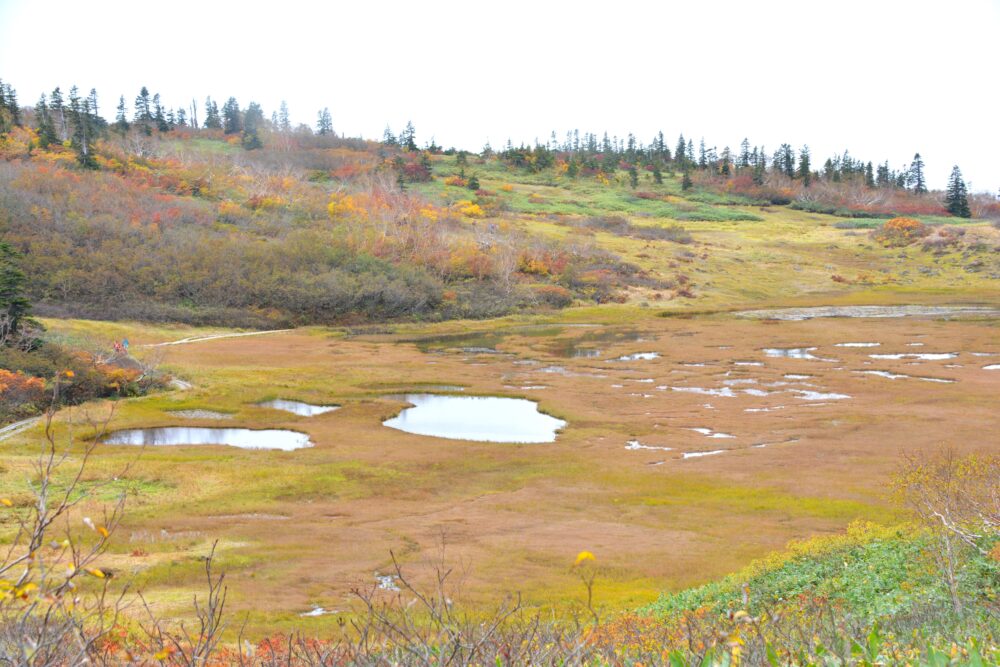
(76,119)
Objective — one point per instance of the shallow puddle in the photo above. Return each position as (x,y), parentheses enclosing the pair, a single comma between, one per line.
(857,344)
(694,455)
(709,433)
(902,376)
(244,438)
(318,611)
(924,356)
(461,342)
(807,395)
(635,445)
(638,356)
(386,582)
(866,311)
(725,392)
(793,353)
(588,345)
(477,418)
(298,407)
(992,367)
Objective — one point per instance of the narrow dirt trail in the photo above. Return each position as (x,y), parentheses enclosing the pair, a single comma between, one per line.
(11,430)
(199,339)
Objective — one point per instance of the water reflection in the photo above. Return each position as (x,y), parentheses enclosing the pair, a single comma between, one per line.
(478,418)
(243,438)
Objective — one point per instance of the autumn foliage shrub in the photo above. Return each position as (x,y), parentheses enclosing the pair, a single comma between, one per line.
(900,232)
(20,395)
(553,295)
(26,376)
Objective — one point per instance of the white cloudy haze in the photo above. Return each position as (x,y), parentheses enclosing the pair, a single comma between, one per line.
(882,78)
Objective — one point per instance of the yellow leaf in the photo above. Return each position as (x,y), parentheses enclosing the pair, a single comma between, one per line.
(6,502)
(162,655)
(103,531)
(583,557)
(96,572)
(70,374)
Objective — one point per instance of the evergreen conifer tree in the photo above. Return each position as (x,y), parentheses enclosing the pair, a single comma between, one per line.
(121,123)
(917,175)
(956,197)
(253,119)
(46,128)
(284,119)
(408,137)
(805,169)
(58,107)
(213,120)
(143,116)
(232,123)
(14,305)
(744,153)
(80,119)
(159,116)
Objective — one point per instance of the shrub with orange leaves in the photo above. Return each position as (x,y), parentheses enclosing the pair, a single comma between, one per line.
(456,181)
(900,231)
(20,393)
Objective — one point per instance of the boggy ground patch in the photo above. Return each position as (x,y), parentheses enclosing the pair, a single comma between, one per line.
(519,514)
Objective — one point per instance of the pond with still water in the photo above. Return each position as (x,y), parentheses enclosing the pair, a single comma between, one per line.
(243,438)
(478,418)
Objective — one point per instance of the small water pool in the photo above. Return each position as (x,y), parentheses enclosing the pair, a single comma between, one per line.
(298,407)
(638,356)
(244,438)
(477,418)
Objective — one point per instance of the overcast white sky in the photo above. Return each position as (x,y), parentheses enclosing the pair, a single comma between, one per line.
(883,78)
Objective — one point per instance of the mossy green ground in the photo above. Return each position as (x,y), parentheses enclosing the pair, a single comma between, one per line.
(743,255)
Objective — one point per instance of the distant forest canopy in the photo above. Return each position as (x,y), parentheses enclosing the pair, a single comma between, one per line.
(222,214)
